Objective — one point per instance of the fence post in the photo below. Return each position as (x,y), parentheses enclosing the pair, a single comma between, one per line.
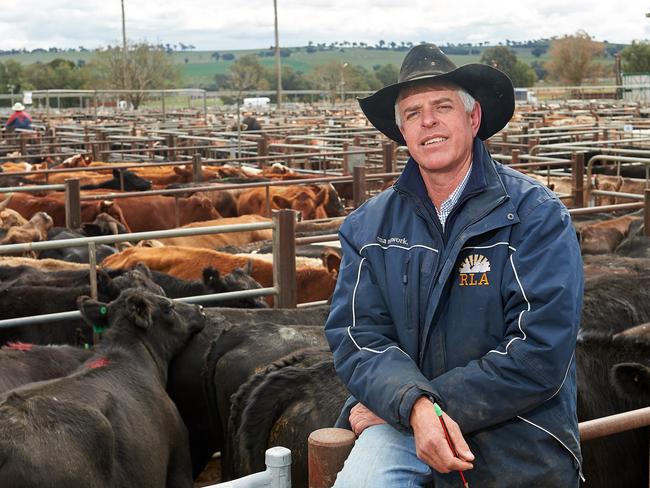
(515,156)
(284,258)
(387,157)
(171,144)
(197,168)
(346,157)
(72,204)
(578,177)
(23,143)
(359,194)
(327,451)
(278,463)
(646,213)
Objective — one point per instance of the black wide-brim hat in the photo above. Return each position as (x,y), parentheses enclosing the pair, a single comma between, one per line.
(489,86)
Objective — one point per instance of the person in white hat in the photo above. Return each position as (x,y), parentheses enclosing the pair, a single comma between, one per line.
(457,305)
(19,119)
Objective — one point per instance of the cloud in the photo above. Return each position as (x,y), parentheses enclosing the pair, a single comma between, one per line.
(211,25)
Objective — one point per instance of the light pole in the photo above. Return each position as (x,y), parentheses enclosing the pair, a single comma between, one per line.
(278,67)
(124,59)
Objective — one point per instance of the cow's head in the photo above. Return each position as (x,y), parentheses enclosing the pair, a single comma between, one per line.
(607,184)
(238,279)
(138,316)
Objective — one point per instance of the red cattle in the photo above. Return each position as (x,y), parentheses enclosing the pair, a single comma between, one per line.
(315,278)
(54,205)
(605,236)
(157,212)
(296,197)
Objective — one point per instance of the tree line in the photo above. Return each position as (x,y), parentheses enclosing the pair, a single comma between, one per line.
(572,59)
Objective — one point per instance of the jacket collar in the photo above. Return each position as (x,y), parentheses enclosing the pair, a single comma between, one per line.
(411,181)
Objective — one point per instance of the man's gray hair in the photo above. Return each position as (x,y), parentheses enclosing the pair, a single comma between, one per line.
(467,100)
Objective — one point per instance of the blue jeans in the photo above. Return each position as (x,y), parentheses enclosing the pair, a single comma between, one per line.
(383,457)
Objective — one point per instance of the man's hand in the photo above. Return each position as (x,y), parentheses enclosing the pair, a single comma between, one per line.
(361,417)
(431,444)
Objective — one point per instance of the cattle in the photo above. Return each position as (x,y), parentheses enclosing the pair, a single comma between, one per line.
(43,264)
(22,363)
(605,236)
(33,231)
(157,212)
(23,300)
(614,301)
(111,422)
(217,361)
(212,282)
(315,279)
(224,201)
(214,241)
(281,406)
(302,199)
(617,184)
(74,254)
(606,371)
(124,180)
(54,206)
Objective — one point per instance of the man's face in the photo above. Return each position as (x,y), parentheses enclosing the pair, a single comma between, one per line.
(437,128)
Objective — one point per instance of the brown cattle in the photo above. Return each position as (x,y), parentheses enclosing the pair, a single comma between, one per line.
(157,212)
(296,197)
(605,236)
(215,241)
(619,184)
(42,264)
(54,205)
(315,280)
(33,231)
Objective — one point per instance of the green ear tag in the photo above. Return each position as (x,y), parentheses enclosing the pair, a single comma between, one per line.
(98,329)
(103,311)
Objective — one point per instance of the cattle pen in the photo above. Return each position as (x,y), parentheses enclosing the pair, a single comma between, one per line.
(594,153)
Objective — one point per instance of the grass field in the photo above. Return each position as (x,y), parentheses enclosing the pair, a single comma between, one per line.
(200,67)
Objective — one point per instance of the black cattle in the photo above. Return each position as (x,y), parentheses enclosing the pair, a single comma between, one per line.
(217,361)
(614,301)
(238,279)
(22,363)
(73,254)
(17,300)
(605,371)
(281,406)
(7,180)
(110,423)
(132,182)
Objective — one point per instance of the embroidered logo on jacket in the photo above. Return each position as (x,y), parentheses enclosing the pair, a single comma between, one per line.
(473,271)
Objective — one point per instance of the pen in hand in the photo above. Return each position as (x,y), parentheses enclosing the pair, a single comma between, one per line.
(438,411)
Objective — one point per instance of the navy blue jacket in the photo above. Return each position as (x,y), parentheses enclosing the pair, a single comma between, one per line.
(483,316)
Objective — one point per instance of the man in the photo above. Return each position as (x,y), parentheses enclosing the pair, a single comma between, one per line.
(19,119)
(460,285)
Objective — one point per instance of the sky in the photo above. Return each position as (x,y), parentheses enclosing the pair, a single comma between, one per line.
(248,24)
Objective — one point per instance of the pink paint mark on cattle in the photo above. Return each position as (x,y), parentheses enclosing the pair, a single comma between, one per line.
(19,346)
(99,363)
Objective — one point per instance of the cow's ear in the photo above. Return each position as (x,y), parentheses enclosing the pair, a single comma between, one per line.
(144,269)
(106,285)
(212,280)
(332,261)
(94,313)
(619,183)
(281,202)
(631,380)
(138,311)
(321,196)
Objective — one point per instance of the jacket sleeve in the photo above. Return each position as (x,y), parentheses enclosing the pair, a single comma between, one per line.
(363,339)
(541,293)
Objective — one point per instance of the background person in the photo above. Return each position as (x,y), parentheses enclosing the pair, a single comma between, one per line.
(19,119)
